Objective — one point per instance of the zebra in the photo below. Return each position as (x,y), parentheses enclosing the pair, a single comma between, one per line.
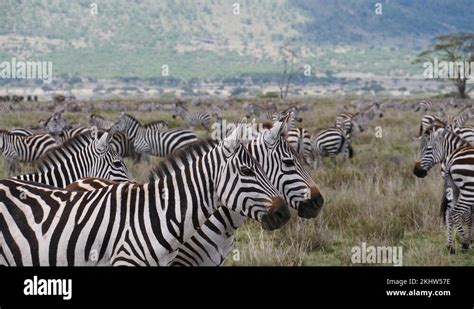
(214,240)
(328,143)
(192,120)
(100,122)
(458,157)
(16,148)
(157,143)
(435,105)
(84,155)
(131,224)
(56,124)
(264,113)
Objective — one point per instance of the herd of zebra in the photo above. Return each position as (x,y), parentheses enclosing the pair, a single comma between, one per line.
(82,206)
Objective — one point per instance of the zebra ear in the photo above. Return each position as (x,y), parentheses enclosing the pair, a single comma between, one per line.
(94,132)
(103,141)
(236,138)
(276,131)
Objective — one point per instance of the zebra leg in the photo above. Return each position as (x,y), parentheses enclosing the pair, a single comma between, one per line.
(467,219)
(146,157)
(333,159)
(12,165)
(463,220)
(449,230)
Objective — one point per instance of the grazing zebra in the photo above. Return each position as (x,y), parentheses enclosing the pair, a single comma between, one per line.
(16,148)
(100,122)
(157,143)
(84,155)
(458,157)
(263,113)
(328,143)
(214,240)
(192,120)
(135,225)
(435,105)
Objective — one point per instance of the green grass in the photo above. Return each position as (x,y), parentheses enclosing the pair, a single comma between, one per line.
(372,198)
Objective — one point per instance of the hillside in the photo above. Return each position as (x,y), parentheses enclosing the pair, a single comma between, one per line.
(205,39)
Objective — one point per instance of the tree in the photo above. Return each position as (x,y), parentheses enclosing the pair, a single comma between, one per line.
(452,48)
(289,56)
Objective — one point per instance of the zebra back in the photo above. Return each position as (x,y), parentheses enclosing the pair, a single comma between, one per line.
(84,155)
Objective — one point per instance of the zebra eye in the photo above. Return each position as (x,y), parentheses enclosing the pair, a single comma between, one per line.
(117,164)
(247,171)
(289,162)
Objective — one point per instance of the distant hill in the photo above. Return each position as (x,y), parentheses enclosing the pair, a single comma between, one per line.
(206,40)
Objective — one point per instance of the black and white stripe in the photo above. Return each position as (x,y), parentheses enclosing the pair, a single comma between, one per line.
(215,239)
(85,155)
(457,156)
(329,143)
(192,120)
(157,143)
(135,225)
(16,148)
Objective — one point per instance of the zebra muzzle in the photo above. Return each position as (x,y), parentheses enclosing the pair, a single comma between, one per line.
(277,216)
(419,171)
(311,207)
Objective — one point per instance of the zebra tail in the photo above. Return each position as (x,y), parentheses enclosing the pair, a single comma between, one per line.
(351,150)
(417,108)
(443,208)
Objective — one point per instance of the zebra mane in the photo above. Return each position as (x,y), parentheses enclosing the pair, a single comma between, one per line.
(181,156)
(149,124)
(70,144)
(133,119)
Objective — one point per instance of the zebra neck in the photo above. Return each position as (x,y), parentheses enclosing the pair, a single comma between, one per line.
(180,204)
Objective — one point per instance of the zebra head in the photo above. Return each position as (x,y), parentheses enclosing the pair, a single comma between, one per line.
(127,124)
(180,110)
(243,187)
(105,162)
(431,150)
(285,170)
(56,124)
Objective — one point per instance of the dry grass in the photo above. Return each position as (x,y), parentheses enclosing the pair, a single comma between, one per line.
(373,198)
